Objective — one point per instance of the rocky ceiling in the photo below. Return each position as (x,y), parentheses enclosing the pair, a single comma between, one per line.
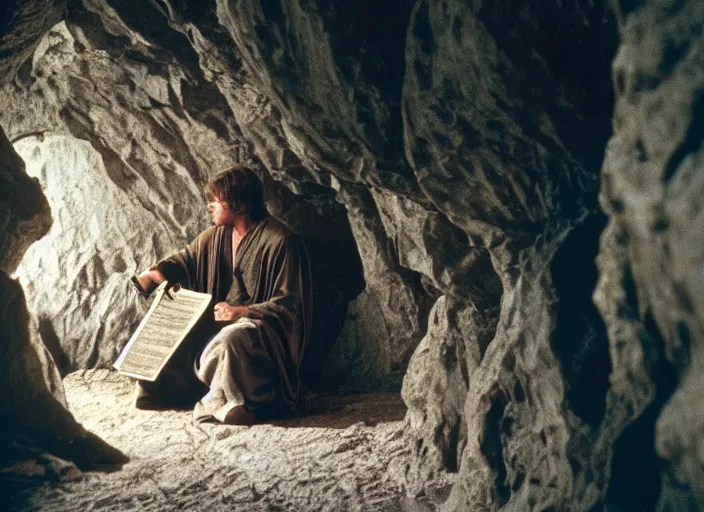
(502,201)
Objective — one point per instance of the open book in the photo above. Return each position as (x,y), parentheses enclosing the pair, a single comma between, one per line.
(170,318)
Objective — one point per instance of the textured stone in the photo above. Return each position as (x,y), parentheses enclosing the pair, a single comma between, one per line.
(24,211)
(640,381)
(135,192)
(351,456)
(335,72)
(27,217)
(32,403)
(437,383)
(496,133)
(652,187)
(22,25)
(386,320)
(84,263)
(497,122)
(440,252)
(463,143)
(32,415)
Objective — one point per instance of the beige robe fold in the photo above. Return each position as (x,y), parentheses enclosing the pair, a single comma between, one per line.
(256,360)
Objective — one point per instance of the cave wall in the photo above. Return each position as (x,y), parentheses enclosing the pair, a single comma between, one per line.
(495,128)
(652,190)
(134,193)
(454,153)
(37,433)
(113,216)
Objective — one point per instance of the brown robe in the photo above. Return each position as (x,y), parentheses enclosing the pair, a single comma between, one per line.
(254,361)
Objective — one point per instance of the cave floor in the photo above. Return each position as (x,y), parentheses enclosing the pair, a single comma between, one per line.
(347,453)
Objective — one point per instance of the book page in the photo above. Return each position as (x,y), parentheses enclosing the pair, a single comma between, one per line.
(170,318)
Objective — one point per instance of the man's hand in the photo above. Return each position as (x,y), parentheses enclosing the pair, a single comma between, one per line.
(147,281)
(150,279)
(223,312)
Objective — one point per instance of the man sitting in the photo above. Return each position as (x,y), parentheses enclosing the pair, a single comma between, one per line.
(248,347)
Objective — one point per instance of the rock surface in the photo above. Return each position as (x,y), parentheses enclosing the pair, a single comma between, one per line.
(652,188)
(35,422)
(136,196)
(22,26)
(328,460)
(24,209)
(452,153)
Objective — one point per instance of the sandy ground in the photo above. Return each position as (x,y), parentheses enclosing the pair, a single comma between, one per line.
(346,454)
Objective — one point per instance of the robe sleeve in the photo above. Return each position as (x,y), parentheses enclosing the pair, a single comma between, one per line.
(289,304)
(181,267)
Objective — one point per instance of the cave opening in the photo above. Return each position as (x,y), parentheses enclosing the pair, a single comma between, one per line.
(122,158)
(76,275)
(76,282)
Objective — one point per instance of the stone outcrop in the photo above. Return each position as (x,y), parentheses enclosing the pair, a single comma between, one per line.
(652,189)
(24,210)
(443,161)
(491,128)
(23,25)
(35,420)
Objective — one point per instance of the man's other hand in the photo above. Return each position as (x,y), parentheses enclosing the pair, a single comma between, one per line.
(223,312)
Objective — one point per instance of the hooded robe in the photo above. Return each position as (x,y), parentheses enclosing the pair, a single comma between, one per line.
(254,361)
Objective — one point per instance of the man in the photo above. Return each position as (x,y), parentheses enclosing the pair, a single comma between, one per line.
(249,346)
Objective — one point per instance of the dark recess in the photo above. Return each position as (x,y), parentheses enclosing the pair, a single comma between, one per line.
(636,470)
(53,345)
(580,341)
(369,46)
(492,448)
(150,20)
(336,268)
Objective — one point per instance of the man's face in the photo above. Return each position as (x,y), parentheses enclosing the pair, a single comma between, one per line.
(220,212)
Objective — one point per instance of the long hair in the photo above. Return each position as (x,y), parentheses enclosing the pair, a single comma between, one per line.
(240,188)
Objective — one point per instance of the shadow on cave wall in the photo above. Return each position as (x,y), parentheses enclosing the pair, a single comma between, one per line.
(337,279)
(496,425)
(580,340)
(636,471)
(53,345)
